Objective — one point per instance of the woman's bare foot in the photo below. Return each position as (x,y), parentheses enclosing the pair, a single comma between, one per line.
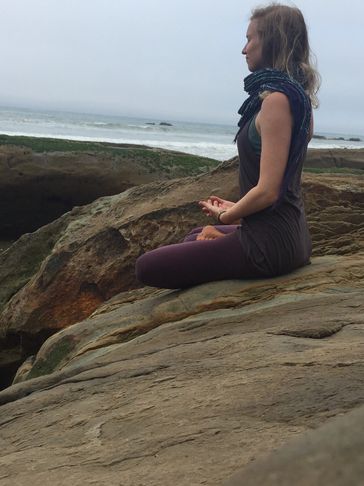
(209,233)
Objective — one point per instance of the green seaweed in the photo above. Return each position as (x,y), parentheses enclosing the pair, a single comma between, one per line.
(153,158)
(54,358)
(333,170)
(30,250)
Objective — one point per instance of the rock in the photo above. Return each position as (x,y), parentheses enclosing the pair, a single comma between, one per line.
(165,124)
(322,137)
(319,137)
(127,319)
(38,187)
(62,273)
(24,370)
(332,454)
(335,159)
(145,386)
(185,387)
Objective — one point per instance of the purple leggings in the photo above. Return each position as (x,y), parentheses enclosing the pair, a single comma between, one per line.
(193,262)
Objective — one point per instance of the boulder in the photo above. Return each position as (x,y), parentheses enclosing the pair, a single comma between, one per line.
(135,313)
(128,385)
(332,454)
(185,387)
(342,158)
(64,271)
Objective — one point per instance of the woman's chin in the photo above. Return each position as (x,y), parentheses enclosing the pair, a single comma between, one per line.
(251,67)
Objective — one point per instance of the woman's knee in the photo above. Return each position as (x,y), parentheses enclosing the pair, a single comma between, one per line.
(143,269)
(152,268)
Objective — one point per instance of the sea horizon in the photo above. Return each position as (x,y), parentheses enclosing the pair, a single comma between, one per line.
(214,140)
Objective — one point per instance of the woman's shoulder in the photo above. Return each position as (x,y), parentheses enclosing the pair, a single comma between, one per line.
(275,100)
(276,105)
(275,110)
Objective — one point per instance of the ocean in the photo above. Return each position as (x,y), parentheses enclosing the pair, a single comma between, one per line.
(209,140)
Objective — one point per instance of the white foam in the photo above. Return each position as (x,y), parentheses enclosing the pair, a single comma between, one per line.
(335,144)
(203,149)
(214,141)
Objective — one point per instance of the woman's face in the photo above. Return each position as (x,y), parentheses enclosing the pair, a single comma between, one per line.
(253,48)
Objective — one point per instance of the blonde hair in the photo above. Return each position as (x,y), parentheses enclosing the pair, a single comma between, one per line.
(285,45)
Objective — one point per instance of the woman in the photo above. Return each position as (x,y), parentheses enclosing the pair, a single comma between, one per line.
(264,233)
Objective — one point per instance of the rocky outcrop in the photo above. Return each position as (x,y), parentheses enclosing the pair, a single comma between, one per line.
(335,159)
(131,385)
(38,187)
(332,454)
(335,208)
(186,387)
(63,272)
(41,179)
(129,315)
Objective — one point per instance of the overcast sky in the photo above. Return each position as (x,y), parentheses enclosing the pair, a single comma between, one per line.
(176,59)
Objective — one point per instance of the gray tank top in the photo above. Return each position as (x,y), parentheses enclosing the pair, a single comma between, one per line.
(254,136)
(276,239)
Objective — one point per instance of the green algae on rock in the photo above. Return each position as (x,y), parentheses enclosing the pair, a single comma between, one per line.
(41,178)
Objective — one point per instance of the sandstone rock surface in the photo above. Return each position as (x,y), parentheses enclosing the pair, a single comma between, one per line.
(332,454)
(186,387)
(335,158)
(142,386)
(63,272)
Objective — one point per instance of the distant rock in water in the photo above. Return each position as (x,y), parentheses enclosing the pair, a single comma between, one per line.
(165,124)
(322,137)
(150,123)
(319,137)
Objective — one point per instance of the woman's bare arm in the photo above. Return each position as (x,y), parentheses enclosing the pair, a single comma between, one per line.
(274,122)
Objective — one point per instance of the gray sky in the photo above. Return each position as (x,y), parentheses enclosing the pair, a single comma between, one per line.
(176,59)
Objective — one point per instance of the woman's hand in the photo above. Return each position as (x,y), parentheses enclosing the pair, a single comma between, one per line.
(214,204)
(210,208)
(222,203)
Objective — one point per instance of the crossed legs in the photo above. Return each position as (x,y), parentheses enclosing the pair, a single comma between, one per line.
(195,261)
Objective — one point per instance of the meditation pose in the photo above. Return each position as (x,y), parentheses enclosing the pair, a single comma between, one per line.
(264,233)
